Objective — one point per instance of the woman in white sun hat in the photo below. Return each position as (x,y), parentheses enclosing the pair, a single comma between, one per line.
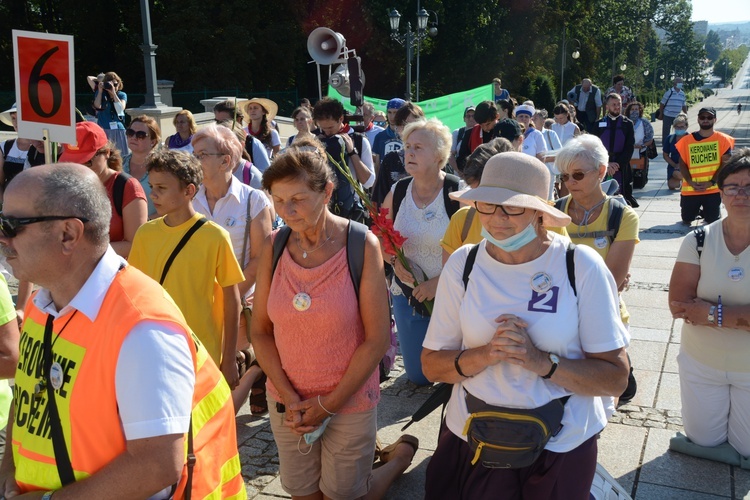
(260,113)
(531,326)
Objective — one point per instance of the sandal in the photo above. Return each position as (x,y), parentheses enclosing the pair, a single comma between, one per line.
(244,359)
(386,453)
(258,401)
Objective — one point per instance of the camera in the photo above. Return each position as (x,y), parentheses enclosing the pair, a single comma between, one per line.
(107,86)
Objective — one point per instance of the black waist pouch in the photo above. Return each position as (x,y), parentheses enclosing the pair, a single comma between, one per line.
(510,438)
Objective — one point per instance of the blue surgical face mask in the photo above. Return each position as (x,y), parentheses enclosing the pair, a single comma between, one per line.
(678,131)
(512,243)
(679,86)
(635,115)
(313,436)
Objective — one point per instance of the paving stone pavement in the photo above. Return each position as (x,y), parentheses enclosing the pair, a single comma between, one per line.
(634,446)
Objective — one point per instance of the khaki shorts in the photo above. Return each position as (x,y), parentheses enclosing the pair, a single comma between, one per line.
(340,461)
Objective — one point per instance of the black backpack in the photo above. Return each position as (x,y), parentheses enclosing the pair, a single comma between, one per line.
(344,201)
(614,218)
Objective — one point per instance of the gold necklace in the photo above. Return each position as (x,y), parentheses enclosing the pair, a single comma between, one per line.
(430,199)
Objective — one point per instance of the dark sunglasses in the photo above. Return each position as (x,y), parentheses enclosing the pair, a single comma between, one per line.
(9,225)
(706,117)
(140,135)
(578,176)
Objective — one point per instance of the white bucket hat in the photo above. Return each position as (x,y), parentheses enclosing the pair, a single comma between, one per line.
(518,180)
(5,115)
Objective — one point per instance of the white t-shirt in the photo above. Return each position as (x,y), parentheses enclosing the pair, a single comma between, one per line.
(366,156)
(463,320)
(724,349)
(565,132)
(230,212)
(533,142)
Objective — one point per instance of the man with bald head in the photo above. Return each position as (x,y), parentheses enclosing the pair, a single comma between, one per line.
(673,102)
(109,374)
(587,99)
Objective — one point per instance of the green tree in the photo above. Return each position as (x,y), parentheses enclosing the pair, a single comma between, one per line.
(713,46)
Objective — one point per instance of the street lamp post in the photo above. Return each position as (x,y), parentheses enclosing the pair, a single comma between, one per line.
(411,38)
(575,55)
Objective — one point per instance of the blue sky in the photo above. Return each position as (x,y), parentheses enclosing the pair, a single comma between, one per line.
(721,11)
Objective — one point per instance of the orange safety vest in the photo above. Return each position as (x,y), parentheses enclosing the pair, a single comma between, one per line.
(87,403)
(703,159)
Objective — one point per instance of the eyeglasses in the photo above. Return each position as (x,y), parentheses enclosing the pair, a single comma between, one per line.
(202,155)
(9,225)
(734,190)
(578,176)
(491,208)
(140,135)
(706,117)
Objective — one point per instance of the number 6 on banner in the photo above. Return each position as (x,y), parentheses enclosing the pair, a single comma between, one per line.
(45,90)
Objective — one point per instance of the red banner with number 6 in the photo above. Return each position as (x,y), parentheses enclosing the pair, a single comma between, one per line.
(45,89)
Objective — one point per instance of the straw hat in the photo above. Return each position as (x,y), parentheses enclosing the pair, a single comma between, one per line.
(5,115)
(271,107)
(90,138)
(519,180)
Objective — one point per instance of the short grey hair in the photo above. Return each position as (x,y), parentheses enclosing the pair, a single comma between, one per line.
(70,191)
(587,149)
(441,136)
(368,106)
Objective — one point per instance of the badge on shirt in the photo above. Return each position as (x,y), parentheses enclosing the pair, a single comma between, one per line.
(56,375)
(230,222)
(600,242)
(736,274)
(541,282)
(113,125)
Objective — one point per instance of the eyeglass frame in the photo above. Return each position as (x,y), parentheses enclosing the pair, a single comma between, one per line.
(135,133)
(476,206)
(745,190)
(13,223)
(200,156)
(565,177)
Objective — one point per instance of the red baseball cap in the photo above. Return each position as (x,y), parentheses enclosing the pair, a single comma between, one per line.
(90,138)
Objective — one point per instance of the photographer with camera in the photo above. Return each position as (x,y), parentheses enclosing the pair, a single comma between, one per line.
(109,103)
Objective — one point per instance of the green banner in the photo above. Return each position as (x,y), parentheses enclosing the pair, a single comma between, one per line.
(448,109)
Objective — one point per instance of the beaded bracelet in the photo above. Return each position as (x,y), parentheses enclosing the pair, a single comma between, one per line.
(719,313)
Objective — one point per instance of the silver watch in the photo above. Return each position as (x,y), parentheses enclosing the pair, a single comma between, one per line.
(712,314)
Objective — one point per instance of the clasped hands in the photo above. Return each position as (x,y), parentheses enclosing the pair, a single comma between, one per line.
(512,344)
(304,416)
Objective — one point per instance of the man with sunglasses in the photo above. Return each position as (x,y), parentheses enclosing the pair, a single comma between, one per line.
(702,155)
(109,374)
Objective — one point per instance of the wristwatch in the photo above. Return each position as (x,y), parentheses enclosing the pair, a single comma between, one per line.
(555,361)
(712,314)
(47,495)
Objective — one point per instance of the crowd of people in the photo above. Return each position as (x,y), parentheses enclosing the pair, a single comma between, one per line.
(180,279)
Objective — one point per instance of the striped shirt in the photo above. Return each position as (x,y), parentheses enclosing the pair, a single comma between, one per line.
(674,101)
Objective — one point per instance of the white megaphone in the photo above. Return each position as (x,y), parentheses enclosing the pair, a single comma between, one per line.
(326,46)
(341,81)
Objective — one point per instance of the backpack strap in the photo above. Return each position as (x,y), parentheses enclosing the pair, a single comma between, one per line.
(450,184)
(357,140)
(570,265)
(700,239)
(118,191)
(560,203)
(467,223)
(355,252)
(469,265)
(179,247)
(616,211)
(7,146)
(279,242)
(399,193)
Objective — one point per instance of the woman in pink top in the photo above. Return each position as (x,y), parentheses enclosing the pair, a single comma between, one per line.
(319,347)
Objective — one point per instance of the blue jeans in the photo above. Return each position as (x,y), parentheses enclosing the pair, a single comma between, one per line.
(412,329)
